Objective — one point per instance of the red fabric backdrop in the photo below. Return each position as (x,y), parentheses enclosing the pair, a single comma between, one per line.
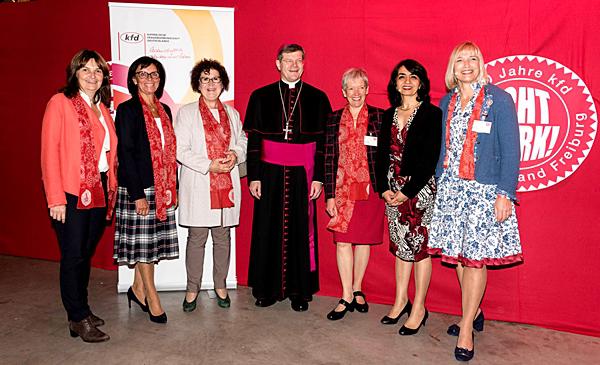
(556,286)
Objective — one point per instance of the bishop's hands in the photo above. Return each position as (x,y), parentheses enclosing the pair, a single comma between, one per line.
(394,199)
(255,189)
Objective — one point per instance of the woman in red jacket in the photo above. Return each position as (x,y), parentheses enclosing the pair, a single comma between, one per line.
(79,148)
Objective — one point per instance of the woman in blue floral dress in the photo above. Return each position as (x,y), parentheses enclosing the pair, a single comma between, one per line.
(474,223)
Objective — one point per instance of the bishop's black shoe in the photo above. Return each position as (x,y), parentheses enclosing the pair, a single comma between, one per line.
(264,302)
(299,305)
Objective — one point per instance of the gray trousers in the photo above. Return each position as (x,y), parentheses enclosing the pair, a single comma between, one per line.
(194,260)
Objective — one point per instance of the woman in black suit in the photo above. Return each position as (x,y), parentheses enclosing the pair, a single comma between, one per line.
(408,151)
(145,230)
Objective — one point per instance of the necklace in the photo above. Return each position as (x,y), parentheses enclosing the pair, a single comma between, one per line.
(408,107)
(286,115)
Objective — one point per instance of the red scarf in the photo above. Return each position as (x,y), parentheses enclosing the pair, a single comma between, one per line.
(466,168)
(164,164)
(218,136)
(352,180)
(91,194)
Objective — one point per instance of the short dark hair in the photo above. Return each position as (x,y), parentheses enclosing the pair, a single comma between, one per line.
(414,68)
(144,62)
(79,60)
(289,48)
(204,66)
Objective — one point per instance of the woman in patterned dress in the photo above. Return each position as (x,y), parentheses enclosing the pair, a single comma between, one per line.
(350,188)
(473,224)
(145,229)
(408,150)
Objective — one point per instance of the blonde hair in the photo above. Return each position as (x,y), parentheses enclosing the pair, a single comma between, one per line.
(451,80)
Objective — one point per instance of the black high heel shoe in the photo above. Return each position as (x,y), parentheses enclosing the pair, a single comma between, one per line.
(462,354)
(161,318)
(131,297)
(454,330)
(390,320)
(348,307)
(405,331)
(362,308)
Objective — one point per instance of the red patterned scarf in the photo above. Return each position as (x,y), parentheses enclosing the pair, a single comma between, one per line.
(352,180)
(164,164)
(218,136)
(91,194)
(466,169)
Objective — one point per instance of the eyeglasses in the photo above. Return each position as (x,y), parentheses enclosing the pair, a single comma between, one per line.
(146,75)
(214,80)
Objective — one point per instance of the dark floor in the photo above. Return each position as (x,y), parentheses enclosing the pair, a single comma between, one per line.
(33,330)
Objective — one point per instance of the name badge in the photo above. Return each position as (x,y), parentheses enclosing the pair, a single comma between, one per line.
(482,126)
(371,141)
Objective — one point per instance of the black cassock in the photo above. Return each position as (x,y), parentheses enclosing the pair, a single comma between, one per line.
(282,262)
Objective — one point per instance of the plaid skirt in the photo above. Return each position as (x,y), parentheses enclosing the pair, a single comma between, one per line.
(143,238)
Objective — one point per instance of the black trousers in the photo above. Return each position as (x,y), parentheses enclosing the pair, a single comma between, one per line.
(78,238)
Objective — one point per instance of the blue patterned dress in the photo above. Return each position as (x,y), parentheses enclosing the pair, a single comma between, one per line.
(464,227)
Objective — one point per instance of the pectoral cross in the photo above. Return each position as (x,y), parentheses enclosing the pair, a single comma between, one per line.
(286,130)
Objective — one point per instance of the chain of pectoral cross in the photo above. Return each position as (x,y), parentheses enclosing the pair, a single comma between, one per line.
(286,115)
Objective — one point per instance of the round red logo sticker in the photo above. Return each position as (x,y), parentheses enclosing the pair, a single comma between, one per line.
(557,117)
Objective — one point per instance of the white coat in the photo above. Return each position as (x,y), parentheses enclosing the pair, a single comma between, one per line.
(194,180)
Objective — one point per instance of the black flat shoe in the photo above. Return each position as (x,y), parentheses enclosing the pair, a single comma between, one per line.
(223,302)
(362,308)
(161,318)
(189,306)
(454,330)
(262,302)
(299,305)
(131,297)
(462,354)
(390,320)
(405,331)
(348,307)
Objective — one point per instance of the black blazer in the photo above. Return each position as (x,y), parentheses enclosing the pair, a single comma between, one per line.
(135,170)
(421,150)
(332,148)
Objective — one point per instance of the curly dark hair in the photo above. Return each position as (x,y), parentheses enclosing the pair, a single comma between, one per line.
(144,62)
(79,60)
(204,67)
(414,68)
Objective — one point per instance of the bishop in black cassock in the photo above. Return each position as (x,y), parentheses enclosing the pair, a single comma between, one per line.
(285,122)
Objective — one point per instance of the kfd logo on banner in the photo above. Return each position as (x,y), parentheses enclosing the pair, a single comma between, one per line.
(557,117)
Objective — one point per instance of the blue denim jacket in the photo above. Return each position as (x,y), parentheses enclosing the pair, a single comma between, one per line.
(497,154)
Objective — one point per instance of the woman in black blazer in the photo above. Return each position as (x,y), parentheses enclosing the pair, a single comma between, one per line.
(145,228)
(406,158)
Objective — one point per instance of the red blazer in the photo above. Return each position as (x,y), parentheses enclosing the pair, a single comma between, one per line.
(61,152)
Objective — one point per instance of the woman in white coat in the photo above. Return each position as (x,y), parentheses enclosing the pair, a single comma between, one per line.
(210,146)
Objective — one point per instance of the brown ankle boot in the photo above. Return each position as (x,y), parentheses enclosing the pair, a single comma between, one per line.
(86,330)
(96,321)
